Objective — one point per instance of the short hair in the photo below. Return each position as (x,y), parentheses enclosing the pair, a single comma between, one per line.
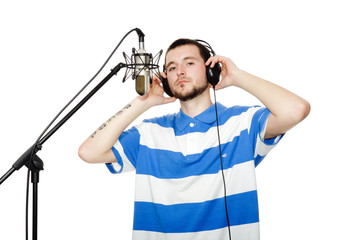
(204,52)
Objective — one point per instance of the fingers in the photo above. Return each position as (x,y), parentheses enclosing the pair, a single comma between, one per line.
(163,75)
(158,89)
(156,79)
(213,60)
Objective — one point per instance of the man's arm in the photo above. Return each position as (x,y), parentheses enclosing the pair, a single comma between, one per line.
(287,108)
(97,147)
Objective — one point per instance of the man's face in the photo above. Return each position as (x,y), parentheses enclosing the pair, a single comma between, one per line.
(186,72)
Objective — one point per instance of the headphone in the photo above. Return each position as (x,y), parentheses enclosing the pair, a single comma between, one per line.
(212,74)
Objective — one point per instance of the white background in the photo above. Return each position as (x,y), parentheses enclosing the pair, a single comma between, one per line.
(50,49)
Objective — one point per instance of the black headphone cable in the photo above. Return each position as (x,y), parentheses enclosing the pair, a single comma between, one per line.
(220,156)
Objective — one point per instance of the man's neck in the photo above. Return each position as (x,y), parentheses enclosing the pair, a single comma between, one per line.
(197,105)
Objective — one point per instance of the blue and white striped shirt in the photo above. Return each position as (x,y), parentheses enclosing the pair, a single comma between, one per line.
(179,186)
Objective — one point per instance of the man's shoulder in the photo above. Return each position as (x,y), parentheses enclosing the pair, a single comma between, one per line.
(164,121)
(240,109)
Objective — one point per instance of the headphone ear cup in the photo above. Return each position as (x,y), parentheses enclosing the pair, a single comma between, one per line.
(213,74)
(166,86)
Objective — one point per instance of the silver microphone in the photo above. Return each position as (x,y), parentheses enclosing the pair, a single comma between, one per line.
(142,66)
(142,72)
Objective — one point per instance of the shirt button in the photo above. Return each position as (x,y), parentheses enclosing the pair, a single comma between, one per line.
(191,124)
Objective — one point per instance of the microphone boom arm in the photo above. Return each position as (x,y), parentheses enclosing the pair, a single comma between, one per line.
(31,152)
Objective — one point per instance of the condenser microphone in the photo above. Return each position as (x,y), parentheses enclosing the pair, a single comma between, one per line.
(142,72)
(142,61)
(141,66)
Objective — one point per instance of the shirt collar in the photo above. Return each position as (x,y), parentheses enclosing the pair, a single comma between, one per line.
(208,116)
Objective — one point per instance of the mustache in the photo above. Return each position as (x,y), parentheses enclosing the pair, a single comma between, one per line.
(181,79)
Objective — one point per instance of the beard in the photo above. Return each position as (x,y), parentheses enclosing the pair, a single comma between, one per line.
(195,91)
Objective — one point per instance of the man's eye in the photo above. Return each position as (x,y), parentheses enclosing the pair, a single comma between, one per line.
(171,69)
(190,63)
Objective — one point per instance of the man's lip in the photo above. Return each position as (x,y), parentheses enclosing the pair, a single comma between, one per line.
(182,81)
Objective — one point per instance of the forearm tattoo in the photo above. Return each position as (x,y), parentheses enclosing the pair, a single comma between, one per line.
(110,119)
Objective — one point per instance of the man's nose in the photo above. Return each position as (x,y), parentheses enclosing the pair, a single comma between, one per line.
(180,71)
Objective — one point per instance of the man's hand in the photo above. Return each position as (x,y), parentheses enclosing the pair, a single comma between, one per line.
(155,96)
(229,71)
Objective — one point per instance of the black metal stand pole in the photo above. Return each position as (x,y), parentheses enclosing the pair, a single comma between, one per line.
(35,164)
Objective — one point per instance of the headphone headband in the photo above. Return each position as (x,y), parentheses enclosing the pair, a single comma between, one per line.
(207,45)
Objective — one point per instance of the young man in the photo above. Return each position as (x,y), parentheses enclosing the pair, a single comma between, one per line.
(179,183)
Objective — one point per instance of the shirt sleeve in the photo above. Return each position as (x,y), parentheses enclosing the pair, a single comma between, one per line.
(126,151)
(258,129)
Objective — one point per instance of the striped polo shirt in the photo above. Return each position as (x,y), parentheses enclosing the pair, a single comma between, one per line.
(179,191)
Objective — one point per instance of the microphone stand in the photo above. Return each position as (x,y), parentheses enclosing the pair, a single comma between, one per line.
(35,164)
